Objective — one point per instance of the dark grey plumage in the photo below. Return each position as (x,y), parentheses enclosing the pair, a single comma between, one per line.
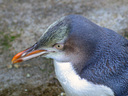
(106,53)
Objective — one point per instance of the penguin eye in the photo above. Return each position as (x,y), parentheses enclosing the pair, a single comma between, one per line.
(59,46)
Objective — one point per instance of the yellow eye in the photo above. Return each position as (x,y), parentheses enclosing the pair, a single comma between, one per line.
(59,46)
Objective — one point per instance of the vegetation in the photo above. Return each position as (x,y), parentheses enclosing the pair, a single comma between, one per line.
(6,39)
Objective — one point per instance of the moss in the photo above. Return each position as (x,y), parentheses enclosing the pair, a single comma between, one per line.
(6,39)
(126,34)
(12,38)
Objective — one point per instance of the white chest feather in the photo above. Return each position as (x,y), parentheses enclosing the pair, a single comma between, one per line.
(75,86)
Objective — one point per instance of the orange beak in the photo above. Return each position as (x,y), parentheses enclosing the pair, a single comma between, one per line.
(27,54)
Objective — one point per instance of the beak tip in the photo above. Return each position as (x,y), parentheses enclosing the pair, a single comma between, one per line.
(17,57)
(12,62)
(16,61)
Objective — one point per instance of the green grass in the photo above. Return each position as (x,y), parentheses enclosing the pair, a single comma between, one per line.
(126,34)
(6,39)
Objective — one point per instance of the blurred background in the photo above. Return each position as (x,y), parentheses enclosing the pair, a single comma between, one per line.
(22,22)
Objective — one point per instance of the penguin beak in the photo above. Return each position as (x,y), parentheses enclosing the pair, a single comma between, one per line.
(28,54)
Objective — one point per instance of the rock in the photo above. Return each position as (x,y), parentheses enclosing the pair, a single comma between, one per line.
(28,75)
(9,66)
(16,65)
